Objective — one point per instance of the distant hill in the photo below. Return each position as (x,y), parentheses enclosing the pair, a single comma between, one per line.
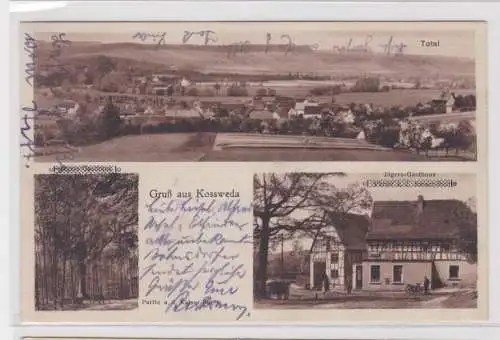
(254,60)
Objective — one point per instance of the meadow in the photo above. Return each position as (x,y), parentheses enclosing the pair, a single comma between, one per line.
(193,147)
(396,97)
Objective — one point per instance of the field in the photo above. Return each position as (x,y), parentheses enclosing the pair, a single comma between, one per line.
(454,117)
(216,60)
(408,97)
(144,148)
(186,147)
(393,98)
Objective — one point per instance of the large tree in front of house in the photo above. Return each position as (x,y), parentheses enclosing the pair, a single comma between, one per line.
(296,203)
(337,209)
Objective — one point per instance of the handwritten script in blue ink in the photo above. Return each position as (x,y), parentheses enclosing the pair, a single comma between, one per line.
(196,254)
(28,114)
(30,49)
(159,38)
(210,36)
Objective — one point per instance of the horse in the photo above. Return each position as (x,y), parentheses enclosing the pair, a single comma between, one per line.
(280,289)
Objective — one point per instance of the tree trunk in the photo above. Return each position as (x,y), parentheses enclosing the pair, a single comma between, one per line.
(55,281)
(72,282)
(63,283)
(82,271)
(263,255)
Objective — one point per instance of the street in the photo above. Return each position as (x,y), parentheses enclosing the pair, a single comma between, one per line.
(307,299)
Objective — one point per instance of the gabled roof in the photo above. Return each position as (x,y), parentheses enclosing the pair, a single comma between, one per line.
(182,113)
(436,219)
(261,114)
(312,110)
(351,230)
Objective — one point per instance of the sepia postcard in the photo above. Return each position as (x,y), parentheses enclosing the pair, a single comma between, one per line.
(259,92)
(253,172)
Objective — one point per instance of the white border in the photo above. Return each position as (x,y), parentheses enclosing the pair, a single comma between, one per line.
(234,11)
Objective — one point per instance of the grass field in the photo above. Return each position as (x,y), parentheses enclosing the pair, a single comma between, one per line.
(395,97)
(177,147)
(314,155)
(407,97)
(191,147)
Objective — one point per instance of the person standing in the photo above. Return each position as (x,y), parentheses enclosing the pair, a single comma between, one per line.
(326,283)
(426,285)
(349,285)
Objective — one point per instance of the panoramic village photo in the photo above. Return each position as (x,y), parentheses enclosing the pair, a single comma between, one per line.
(345,241)
(256,92)
(86,242)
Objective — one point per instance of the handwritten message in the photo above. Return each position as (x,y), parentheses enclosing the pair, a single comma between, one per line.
(158,38)
(29,49)
(193,253)
(59,44)
(287,43)
(29,112)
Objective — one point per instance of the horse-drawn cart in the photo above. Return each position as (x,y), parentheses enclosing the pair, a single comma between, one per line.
(415,290)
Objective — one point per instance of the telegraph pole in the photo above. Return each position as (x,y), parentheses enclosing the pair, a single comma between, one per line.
(282,257)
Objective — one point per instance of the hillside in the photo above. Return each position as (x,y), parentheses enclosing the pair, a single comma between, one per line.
(217,59)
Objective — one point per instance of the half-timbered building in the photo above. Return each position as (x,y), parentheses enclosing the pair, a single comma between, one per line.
(337,252)
(410,240)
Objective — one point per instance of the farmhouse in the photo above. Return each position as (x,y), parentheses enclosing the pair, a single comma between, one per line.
(264,115)
(409,240)
(67,108)
(338,252)
(444,104)
(300,107)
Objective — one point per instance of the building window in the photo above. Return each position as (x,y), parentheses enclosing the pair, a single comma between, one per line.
(375,273)
(334,257)
(397,274)
(335,273)
(453,272)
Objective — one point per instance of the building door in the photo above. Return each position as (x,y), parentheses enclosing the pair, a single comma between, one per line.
(319,272)
(359,277)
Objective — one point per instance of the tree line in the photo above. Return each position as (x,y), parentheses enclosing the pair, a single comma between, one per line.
(86,242)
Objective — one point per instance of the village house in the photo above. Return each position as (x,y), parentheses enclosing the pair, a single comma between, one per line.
(410,240)
(164,78)
(300,107)
(67,108)
(444,104)
(183,113)
(338,252)
(264,115)
(313,111)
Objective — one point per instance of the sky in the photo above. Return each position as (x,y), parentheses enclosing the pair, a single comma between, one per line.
(459,43)
(463,191)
